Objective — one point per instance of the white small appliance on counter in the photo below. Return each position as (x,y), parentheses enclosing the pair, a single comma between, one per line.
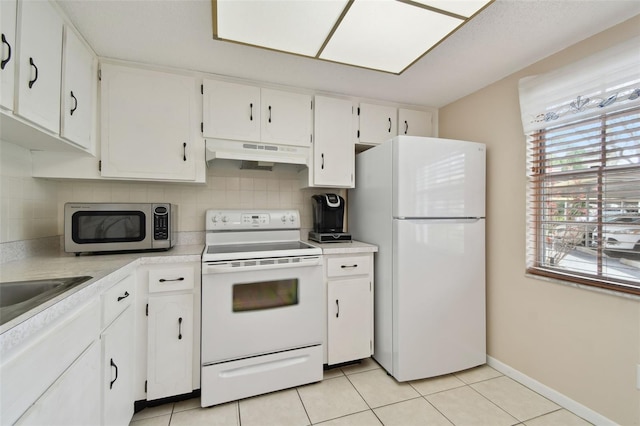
(422,202)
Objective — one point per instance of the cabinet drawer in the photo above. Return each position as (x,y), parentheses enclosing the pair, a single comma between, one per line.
(117,298)
(348,266)
(171,279)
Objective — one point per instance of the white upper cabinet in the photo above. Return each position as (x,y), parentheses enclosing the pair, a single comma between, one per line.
(250,113)
(377,123)
(8,52)
(78,88)
(414,123)
(286,117)
(39,65)
(333,148)
(149,124)
(231,111)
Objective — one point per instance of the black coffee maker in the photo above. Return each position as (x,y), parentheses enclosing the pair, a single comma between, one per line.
(328,218)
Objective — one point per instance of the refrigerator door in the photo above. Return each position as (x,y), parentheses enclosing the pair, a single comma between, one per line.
(438,297)
(437,178)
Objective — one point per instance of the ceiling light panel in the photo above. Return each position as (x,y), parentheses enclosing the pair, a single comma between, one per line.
(299,27)
(464,8)
(387,35)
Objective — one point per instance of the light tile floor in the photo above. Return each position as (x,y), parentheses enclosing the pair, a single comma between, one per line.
(364,394)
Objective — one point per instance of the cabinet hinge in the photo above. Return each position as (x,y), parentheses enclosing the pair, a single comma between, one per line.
(202,89)
(99,165)
(147,310)
(145,386)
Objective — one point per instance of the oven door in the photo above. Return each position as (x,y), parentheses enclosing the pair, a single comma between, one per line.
(253,307)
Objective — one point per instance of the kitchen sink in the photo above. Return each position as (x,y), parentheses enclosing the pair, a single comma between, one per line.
(18,297)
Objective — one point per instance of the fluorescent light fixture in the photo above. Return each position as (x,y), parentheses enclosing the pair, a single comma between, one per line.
(383,35)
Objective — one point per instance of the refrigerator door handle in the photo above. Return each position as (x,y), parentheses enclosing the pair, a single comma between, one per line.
(456,219)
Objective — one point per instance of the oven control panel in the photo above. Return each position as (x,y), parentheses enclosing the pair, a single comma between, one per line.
(251,219)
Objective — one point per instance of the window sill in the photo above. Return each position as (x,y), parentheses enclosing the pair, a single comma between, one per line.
(595,289)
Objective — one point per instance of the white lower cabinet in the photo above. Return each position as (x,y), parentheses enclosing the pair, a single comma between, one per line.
(349,280)
(117,370)
(74,399)
(170,345)
(167,330)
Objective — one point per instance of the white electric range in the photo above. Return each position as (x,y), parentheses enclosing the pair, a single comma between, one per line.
(262,305)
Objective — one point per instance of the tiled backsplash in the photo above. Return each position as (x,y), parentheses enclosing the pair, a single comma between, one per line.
(28,206)
(33,208)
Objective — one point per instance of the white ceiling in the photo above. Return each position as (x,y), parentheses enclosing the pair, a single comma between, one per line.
(506,37)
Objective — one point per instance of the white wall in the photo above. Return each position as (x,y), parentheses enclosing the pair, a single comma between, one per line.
(582,343)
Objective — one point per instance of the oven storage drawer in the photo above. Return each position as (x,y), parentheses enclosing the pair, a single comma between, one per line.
(234,380)
(348,266)
(171,279)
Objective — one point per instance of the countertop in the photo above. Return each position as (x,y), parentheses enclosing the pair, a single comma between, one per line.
(106,270)
(347,247)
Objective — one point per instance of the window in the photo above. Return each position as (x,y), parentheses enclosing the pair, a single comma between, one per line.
(584,201)
(582,124)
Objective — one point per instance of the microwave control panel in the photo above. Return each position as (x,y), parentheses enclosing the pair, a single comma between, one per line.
(161,223)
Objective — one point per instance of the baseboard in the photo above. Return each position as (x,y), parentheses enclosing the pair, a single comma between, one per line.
(551,394)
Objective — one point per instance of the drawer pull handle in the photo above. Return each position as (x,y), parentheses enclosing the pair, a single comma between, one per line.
(389,124)
(355,265)
(126,294)
(162,280)
(180,328)
(338,308)
(113,364)
(251,112)
(406,127)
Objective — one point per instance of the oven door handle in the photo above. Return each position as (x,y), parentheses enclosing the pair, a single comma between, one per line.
(258,265)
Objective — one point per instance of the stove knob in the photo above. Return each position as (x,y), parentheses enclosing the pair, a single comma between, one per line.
(284,219)
(292,218)
(224,219)
(214,219)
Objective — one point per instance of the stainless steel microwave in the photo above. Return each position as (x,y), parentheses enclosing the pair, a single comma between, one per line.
(104,227)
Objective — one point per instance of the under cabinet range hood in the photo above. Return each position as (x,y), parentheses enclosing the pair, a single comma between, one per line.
(261,153)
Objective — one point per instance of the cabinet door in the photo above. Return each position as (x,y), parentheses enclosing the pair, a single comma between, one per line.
(39,67)
(349,309)
(77,95)
(148,124)
(286,118)
(333,149)
(74,399)
(377,123)
(170,346)
(8,52)
(117,368)
(414,123)
(231,111)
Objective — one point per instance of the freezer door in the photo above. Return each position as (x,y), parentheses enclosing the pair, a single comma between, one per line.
(438,178)
(438,297)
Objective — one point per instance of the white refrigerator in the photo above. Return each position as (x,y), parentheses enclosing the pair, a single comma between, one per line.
(422,202)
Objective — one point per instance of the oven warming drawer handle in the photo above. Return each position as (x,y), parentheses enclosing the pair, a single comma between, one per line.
(208,268)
